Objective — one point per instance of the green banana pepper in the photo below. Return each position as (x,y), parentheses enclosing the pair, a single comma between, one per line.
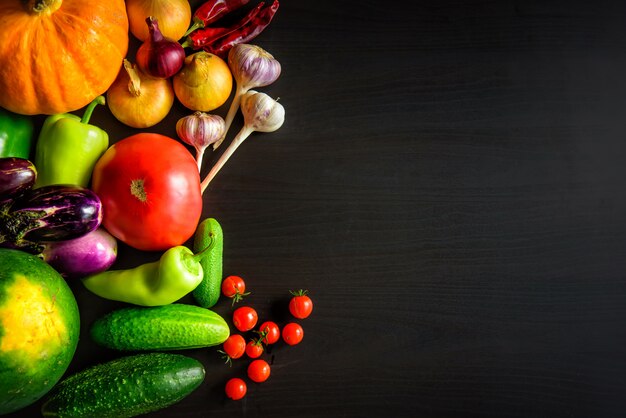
(68,148)
(175,274)
(16,132)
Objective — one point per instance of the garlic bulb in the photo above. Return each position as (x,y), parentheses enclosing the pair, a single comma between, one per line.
(261,113)
(200,130)
(251,67)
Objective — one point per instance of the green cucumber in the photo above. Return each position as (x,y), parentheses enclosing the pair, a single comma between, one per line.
(159,328)
(125,387)
(209,234)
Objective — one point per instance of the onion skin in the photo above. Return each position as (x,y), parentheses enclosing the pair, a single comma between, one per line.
(159,56)
(137,100)
(174,17)
(92,253)
(17,175)
(204,83)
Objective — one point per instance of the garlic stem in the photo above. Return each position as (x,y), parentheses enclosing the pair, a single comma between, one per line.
(245,132)
(230,116)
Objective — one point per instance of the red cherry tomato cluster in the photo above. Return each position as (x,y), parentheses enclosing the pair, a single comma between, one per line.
(245,319)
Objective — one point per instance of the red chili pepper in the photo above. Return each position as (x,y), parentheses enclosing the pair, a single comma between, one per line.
(245,32)
(205,36)
(212,10)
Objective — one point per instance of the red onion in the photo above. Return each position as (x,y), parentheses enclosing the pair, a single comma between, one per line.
(159,56)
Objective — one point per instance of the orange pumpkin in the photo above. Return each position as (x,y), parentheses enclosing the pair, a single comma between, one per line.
(56,56)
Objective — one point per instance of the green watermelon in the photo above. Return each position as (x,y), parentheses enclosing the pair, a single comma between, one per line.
(39,329)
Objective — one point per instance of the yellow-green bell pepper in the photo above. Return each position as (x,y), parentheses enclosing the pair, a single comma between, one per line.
(16,133)
(68,148)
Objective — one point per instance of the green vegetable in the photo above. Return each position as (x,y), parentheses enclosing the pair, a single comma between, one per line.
(209,237)
(68,148)
(16,133)
(169,327)
(125,387)
(162,282)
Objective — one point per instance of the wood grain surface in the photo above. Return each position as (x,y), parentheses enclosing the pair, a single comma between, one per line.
(449,185)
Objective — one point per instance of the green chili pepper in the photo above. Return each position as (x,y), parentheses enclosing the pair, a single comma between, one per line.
(162,282)
(68,148)
(16,132)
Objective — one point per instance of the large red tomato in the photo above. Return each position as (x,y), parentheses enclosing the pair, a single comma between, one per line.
(149,186)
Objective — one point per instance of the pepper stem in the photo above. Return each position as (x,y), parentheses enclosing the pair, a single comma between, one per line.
(198,256)
(87,115)
(197,24)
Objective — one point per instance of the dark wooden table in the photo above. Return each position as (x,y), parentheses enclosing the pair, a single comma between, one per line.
(450,187)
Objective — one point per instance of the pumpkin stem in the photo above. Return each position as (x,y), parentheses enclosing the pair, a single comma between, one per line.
(42,6)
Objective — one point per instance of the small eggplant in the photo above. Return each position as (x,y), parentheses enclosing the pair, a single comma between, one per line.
(17,175)
(92,253)
(49,213)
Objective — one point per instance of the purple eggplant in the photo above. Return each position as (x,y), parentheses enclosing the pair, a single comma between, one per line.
(92,253)
(49,213)
(17,175)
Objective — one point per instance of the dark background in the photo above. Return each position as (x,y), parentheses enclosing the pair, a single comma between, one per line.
(449,186)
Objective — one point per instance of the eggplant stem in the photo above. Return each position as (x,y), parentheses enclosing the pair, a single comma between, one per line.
(238,140)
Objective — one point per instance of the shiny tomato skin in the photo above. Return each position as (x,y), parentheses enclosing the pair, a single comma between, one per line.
(245,318)
(300,305)
(234,346)
(259,371)
(270,332)
(293,333)
(254,349)
(149,186)
(236,388)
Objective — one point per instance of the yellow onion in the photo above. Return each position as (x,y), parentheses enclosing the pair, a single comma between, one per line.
(204,83)
(138,100)
(174,17)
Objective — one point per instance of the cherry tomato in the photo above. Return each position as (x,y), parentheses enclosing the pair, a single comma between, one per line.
(300,304)
(254,349)
(293,333)
(259,371)
(245,318)
(236,388)
(149,186)
(234,287)
(234,347)
(269,332)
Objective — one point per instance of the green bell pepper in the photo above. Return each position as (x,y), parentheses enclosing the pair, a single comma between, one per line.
(175,274)
(16,132)
(68,148)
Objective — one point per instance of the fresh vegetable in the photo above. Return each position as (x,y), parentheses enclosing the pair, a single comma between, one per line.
(56,56)
(233,348)
(200,130)
(173,15)
(92,253)
(269,332)
(259,371)
(219,40)
(39,329)
(138,100)
(159,56)
(16,132)
(236,388)
(293,333)
(68,148)
(244,318)
(209,239)
(254,348)
(211,11)
(234,287)
(50,213)
(261,113)
(150,190)
(300,304)
(125,387)
(252,67)
(170,327)
(17,176)
(204,83)
(161,282)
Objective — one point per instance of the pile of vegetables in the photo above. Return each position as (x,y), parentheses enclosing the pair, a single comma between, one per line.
(70,196)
